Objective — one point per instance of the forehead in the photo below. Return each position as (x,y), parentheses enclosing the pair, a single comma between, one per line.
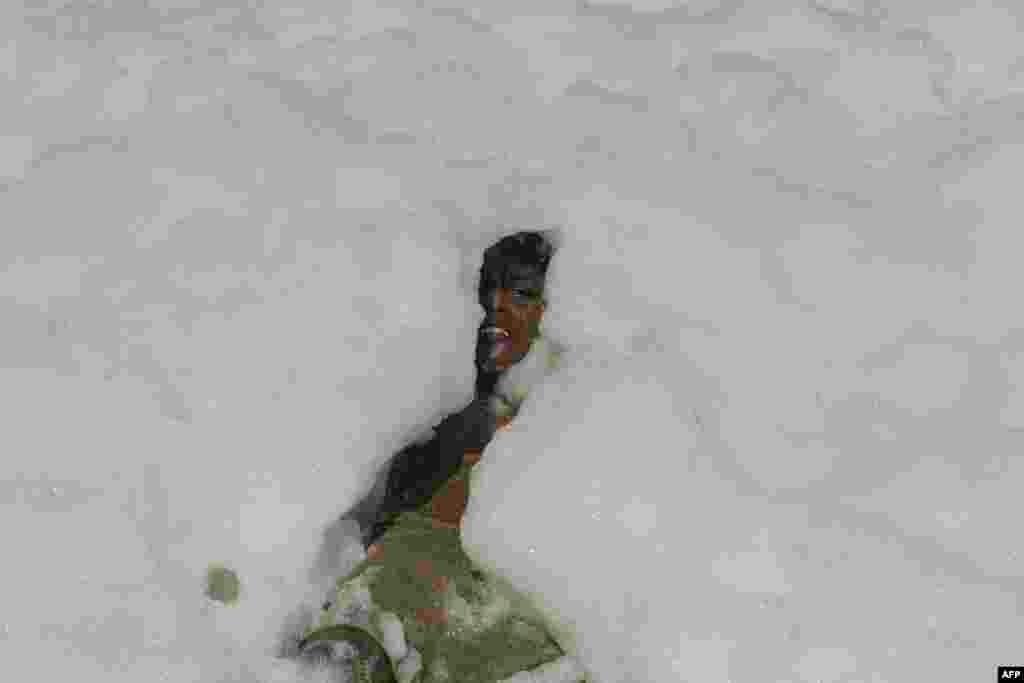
(512,273)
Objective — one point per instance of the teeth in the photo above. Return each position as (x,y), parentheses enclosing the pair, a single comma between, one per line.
(496,331)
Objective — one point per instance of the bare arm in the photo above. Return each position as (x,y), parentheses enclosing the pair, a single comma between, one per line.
(417,471)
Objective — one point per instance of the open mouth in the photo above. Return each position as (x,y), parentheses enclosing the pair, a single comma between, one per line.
(501,341)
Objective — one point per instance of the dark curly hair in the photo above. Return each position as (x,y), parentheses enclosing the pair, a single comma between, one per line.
(524,255)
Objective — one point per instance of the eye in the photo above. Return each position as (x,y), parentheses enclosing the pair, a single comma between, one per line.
(524,294)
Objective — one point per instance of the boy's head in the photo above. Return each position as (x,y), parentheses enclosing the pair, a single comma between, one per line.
(511,293)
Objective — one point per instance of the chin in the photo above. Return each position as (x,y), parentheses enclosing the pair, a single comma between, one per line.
(498,365)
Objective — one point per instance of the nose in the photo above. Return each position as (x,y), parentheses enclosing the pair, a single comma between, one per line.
(499,300)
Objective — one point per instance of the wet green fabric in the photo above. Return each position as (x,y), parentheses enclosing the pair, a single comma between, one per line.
(490,633)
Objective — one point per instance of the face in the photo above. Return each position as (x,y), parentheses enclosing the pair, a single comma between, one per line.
(511,324)
(511,292)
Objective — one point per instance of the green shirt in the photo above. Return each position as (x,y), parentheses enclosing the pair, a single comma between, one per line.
(466,627)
